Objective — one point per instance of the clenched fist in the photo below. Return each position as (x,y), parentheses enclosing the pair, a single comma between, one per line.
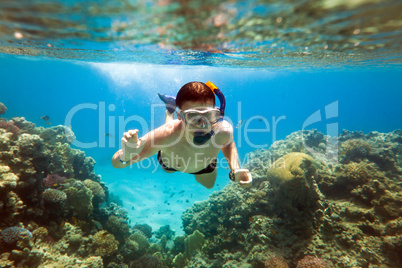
(131,145)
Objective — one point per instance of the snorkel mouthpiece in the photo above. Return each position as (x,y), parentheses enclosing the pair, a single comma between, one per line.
(200,138)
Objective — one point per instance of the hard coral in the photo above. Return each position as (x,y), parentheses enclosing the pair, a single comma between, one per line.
(118,227)
(80,201)
(141,240)
(147,261)
(97,191)
(12,234)
(3,108)
(193,243)
(30,145)
(40,232)
(312,262)
(24,125)
(10,127)
(145,228)
(357,173)
(7,180)
(105,243)
(53,180)
(165,230)
(291,177)
(275,261)
(54,197)
(355,149)
(57,134)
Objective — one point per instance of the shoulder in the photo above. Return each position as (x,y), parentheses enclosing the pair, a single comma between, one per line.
(169,131)
(165,133)
(224,133)
(170,128)
(225,127)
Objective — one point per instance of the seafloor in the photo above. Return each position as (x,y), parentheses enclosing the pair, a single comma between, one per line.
(316,201)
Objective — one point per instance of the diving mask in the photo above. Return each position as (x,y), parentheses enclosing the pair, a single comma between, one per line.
(193,117)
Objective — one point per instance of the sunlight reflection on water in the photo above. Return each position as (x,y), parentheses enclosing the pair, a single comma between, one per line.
(218,33)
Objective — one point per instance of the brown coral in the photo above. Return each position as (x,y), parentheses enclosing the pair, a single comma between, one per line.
(291,177)
(54,197)
(275,261)
(118,227)
(10,127)
(356,173)
(312,262)
(80,201)
(147,261)
(97,191)
(105,243)
(355,149)
(40,232)
(53,180)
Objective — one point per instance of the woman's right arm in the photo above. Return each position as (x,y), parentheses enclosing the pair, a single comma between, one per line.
(135,149)
(131,146)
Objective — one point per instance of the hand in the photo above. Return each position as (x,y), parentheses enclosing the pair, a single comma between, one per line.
(243,177)
(131,144)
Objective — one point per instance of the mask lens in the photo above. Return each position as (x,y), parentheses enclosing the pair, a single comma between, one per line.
(193,117)
(212,116)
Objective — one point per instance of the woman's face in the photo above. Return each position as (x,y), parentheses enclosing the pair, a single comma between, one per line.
(202,125)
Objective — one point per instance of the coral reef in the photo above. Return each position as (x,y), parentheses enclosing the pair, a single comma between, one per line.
(312,262)
(54,200)
(316,201)
(104,243)
(80,201)
(145,229)
(141,240)
(147,261)
(58,134)
(275,261)
(193,242)
(26,126)
(3,108)
(165,230)
(292,179)
(11,234)
(98,192)
(179,261)
(336,201)
(118,227)
(10,127)
(53,181)
(53,206)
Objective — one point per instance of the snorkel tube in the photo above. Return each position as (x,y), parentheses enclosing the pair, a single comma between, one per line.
(220,96)
(199,137)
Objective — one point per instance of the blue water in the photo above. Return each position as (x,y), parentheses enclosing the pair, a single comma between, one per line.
(272,103)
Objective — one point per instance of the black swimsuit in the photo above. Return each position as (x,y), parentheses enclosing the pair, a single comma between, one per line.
(211,167)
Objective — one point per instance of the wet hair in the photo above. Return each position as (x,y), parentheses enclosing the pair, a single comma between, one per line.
(194,91)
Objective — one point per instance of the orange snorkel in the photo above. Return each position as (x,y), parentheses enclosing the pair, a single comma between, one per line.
(220,96)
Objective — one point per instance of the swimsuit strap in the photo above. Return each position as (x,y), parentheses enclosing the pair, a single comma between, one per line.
(163,164)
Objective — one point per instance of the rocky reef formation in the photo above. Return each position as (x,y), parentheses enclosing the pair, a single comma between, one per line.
(55,211)
(3,108)
(316,201)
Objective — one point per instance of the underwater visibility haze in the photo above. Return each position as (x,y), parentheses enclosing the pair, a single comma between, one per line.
(313,91)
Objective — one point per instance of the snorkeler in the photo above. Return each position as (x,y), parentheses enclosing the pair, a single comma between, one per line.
(191,143)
